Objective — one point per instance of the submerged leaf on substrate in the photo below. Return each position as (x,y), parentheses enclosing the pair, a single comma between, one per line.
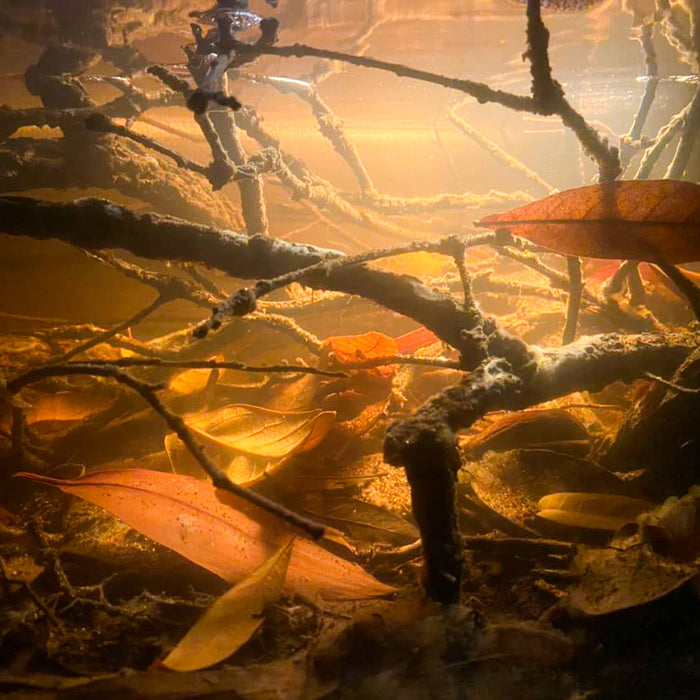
(245,442)
(552,428)
(217,530)
(512,483)
(594,511)
(233,619)
(360,520)
(614,579)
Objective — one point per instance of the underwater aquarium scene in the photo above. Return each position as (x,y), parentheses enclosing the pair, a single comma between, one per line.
(350,349)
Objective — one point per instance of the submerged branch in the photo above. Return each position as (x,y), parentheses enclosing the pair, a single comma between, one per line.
(425,444)
(97,225)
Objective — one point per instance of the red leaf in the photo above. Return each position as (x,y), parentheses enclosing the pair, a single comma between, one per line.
(628,220)
(217,530)
(409,342)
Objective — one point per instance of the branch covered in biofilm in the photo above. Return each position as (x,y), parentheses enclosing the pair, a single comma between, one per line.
(425,444)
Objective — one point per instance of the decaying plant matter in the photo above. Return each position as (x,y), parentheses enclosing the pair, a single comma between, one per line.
(487,365)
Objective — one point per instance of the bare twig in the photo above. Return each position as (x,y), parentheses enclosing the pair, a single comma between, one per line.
(497,152)
(688,140)
(574,304)
(115,330)
(213,364)
(245,300)
(178,426)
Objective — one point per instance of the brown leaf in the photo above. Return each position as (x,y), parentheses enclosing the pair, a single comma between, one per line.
(67,406)
(362,521)
(217,530)
(192,381)
(594,511)
(552,428)
(512,483)
(231,621)
(628,220)
(614,580)
(413,340)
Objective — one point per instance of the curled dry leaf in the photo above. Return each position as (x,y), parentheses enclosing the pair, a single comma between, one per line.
(231,621)
(552,428)
(594,511)
(627,220)
(247,441)
(217,530)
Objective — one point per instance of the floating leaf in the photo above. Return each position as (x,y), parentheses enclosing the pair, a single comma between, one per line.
(360,520)
(247,441)
(628,220)
(552,428)
(614,579)
(595,511)
(217,530)
(231,621)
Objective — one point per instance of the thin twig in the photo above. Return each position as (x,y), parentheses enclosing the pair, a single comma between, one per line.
(688,140)
(671,385)
(159,301)
(497,152)
(178,426)
(574,304)
(212,364)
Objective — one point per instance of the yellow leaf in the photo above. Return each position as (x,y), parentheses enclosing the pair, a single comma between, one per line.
(248,441)
(190,381)
(233,618)
(594,511)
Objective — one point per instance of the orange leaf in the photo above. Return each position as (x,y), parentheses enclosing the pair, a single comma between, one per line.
(217,530)
(413,340)
(356,348)
(627,220)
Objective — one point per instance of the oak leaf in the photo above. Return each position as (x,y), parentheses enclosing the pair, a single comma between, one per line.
(651,220)
(217,530)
